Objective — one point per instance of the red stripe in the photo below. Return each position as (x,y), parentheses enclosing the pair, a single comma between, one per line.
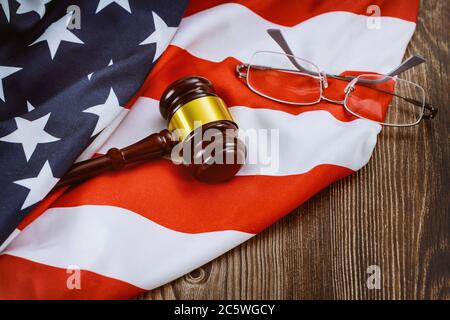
(25,279)
(291,12)
(168,195)
(177,63)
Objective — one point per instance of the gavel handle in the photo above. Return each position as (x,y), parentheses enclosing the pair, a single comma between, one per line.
(152,147)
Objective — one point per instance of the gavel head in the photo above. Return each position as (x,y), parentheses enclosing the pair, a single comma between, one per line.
(200,120)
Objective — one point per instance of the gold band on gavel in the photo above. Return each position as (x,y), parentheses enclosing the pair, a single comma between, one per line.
(196,113)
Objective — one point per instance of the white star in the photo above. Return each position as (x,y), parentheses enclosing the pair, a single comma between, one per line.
(30,106)
(30,134)
(106,112)
(39,186)
(161,36)
(37,6)
(58,32)
(103,3)
(5,72)
(5,6)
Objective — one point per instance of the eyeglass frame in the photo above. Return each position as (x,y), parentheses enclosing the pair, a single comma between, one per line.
(322,77)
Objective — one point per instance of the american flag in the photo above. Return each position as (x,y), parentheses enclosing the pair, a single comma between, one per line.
(68,93)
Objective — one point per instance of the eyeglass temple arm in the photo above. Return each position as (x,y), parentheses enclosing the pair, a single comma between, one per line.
(278,37)
(409,63)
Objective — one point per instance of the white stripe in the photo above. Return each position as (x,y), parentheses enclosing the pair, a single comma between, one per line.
(335,41)
(118,243)
(305,140)
(8,240)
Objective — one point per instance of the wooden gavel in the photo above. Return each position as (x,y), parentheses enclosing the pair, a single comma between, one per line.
(191,108)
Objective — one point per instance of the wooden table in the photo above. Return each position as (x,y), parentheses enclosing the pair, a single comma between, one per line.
(393,213)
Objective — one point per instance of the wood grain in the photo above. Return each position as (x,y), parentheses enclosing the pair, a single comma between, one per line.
(394,213)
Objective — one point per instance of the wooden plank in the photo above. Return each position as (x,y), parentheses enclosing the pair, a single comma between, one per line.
(394,213)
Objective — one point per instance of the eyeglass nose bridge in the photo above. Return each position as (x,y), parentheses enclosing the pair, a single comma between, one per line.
(241,70)
(324,79)
(351,86)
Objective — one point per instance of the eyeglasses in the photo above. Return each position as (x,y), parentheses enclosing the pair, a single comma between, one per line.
(385,99)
